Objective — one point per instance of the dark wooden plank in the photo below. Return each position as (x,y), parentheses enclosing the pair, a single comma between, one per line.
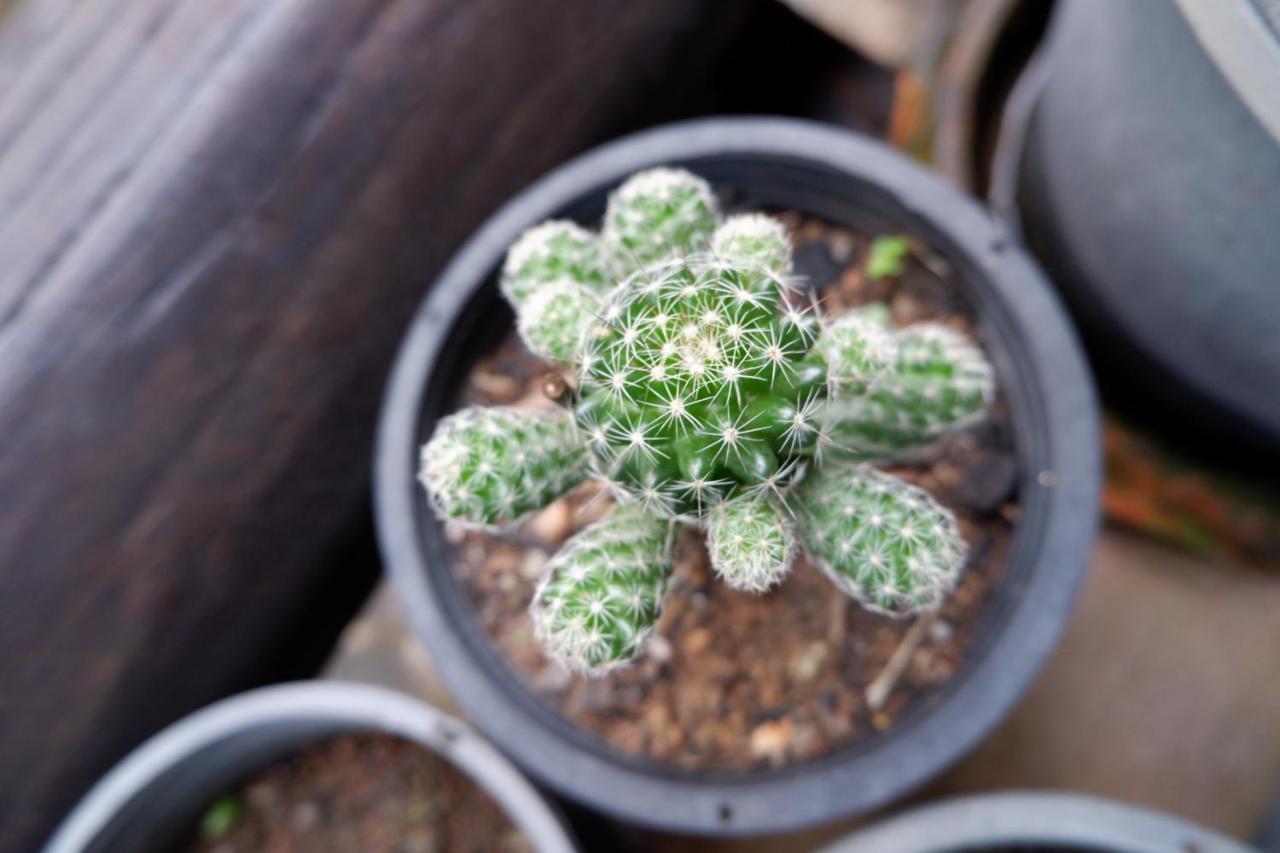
(216,217)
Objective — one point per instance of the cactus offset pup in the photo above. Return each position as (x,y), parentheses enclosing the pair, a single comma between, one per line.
(709,391)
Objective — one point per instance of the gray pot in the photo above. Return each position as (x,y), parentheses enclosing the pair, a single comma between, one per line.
(160,790)
(1034,821)
(845,179)
(1149,185)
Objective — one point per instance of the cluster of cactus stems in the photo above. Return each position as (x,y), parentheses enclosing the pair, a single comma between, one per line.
(708,391)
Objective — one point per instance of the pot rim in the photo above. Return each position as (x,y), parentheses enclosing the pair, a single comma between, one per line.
(1243,41)
(328,708)
(1033,817)
(1062,491)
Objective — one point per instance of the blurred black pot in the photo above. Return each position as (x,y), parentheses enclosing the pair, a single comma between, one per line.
(1146,177)
(153,798)
(1024,821)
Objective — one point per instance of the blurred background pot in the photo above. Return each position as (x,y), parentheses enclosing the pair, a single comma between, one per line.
(1033,821)
(154,798)
(1146,184)
(847,180)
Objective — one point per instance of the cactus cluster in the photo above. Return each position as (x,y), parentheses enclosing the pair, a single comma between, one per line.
(708,390)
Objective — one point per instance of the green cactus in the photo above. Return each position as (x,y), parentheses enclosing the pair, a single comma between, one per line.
(492,465)
(602,593)
(751,542)
(859,351)
(693,388)
(939,383)
(884,542)
(556,250)
(707,392)
(656,215)
(555,318)
(754,237)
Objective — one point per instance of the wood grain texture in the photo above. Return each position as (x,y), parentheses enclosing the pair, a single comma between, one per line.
(216,217)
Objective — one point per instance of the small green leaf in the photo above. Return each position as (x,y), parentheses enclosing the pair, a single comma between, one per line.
(220,817)
(888,256)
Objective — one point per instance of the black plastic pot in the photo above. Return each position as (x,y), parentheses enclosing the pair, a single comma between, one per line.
(990,44)
(158,793)
(1149,186)
(1021,821)
(846,179)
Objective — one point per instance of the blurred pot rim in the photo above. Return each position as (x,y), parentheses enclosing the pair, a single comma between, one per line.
(294,715)
(1033,817)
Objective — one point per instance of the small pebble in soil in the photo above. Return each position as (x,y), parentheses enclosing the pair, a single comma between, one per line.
(501,388)
(770,741)
(554,524)
(533,565)
(807,664)
(658,649)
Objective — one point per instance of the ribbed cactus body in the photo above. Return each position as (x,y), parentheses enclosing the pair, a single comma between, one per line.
(751,542)
(493,465)
(754,238)
(657,215)
(883,541)
(698,384)
(940,382)
(555,319)
(557,250)
(603,591)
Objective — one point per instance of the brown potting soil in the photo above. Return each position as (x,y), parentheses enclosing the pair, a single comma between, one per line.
(372,793)
(733,681)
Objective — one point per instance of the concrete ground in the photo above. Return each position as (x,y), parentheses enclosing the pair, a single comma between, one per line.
(1165,692)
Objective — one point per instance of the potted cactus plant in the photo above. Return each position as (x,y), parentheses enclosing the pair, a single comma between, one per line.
(708,397)
(707,389)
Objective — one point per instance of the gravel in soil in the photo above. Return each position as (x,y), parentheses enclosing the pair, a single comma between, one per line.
(369,793)
(733,681)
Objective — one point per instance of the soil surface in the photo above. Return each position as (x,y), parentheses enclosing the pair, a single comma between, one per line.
(733,681)
(371,793)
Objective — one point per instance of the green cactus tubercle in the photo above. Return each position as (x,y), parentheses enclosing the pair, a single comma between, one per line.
(556,317)
(751,542)
(602,592)
(754,238)
(860,351)
(656,215)
(883,541)
(492,465)
(556,250)
(938,383)
(708,391)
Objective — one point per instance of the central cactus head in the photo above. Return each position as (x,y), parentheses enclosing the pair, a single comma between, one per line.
(708,391)
(697,383)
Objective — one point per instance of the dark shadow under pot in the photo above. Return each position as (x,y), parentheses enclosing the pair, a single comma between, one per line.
(595,742)
(335,766)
